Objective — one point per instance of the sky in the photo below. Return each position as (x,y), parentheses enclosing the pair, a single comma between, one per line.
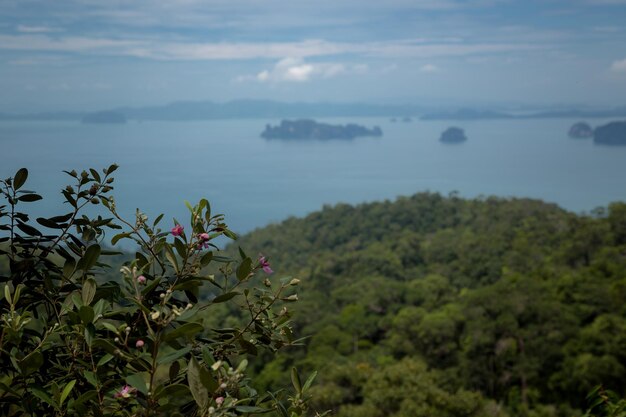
(94,54)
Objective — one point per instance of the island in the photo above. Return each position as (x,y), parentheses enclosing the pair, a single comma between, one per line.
(613,133)
(104,117)
(580,130)
(453,135)
(310,129)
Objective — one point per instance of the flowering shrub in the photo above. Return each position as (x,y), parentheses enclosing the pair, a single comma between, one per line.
(72,343)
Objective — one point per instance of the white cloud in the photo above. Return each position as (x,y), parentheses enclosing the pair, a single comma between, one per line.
(619,66)
(297,70)
(36,29)
(429,68)
(195,51)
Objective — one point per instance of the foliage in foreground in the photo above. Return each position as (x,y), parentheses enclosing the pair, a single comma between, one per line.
(72,343)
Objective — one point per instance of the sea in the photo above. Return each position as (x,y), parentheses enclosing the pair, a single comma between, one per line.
(255,181)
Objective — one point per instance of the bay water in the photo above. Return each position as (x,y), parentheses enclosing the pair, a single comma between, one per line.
(255,181)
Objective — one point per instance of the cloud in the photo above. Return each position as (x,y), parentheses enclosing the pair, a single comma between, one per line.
(297,70)
(619,66)
(157,49)
(36,29)
(429,68)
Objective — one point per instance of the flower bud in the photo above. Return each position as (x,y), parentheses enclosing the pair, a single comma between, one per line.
(141,279)
(139,344)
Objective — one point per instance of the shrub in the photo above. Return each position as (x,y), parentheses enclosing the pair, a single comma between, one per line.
(75,343)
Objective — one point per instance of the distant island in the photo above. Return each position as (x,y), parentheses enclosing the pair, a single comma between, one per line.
(580,130)
(613,133)
(466,114)
(310,129)
(473,114)
(104,117)
(453,135)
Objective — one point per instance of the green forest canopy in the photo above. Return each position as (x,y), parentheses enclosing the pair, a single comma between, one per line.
(435,306)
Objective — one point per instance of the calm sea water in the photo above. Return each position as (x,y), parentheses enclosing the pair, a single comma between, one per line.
(257,181)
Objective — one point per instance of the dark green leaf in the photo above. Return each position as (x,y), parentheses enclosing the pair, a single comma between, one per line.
(29,198)
(32,362)
(29,230)
(198,390)
(137,381)
(225,297)
(86,314)
(206,258)
(90,258)
(295,380)
(95,175)
(119,236)
(20,178)
(251,409)
(172,356)
(186,329)
(88,291)
(180,248)
(49,223)
(244,269)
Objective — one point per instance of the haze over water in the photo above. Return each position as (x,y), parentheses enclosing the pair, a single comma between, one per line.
(256,181)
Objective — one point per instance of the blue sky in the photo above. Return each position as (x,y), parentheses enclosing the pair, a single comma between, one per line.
(94,54)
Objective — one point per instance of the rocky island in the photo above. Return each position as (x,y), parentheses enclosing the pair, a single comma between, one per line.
(580,130)
(453,135)
(104,117)
(310,129)
(613,133)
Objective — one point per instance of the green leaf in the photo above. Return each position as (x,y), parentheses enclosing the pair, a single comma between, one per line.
(309,381)
(119,236)
(174,370)
(173,391)
(112,168)
(180,248)
(29,230)
(88,291)
(68,268)
(172,356)
(295,380)
(86,314)
(91,377)
(66,391)
(157,220)
(206,258)
(49,223)
(225,297)
(244,269)
(104,359)
(20,178)
(85,397)
(42,395)
(32,362)
(137,381)
(198,390)
(169,254)
(90,258)
(184,330)
(95,175)
(250,409)
(29,198)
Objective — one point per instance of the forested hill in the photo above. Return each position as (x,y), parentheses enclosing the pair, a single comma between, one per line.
(441,306)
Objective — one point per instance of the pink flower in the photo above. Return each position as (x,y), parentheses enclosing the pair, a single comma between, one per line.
(141,279)
(177,230)
(219,401)
(203,240)
(265,265)
(125,392)
(139,344)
